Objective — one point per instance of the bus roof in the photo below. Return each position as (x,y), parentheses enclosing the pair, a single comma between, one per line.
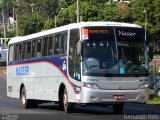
(71,26)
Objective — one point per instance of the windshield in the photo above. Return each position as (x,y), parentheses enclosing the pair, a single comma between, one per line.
(106,54)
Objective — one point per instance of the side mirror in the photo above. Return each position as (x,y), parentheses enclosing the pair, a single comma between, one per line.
(79,48)
(150,53)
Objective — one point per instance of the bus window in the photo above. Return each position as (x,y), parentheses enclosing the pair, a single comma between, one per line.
(34,48)
(39,47)
(11,53)
(28,49)
(18,52)
(74,62)
(57,45)
(50,45)
(24,53)
(64,43)
(45,46)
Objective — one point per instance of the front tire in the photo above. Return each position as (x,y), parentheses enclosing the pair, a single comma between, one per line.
(118,108)
(68,107)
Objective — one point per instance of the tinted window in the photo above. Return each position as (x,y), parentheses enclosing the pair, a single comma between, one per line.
(11,53)
(50,45)
(45,46)
(39,47)
(28,50)
(57,44)
(34,48)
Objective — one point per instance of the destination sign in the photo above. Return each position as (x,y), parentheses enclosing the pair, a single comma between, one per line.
(86,33)
(98,31)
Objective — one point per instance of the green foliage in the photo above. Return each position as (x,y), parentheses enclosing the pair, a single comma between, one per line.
(30,23)
(7,4)
(1,35)
(154,100)
(46,8)
(11,34)
(49,24)
(153,17)
(91,12)
(37,15)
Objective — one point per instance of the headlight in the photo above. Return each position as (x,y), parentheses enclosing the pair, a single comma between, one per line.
(90,85)
(144,85)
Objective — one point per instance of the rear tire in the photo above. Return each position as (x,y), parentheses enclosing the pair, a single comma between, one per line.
(26,102)
(118,108)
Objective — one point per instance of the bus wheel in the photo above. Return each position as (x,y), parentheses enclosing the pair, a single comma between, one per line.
(26,102)
(68,107)
(118,108)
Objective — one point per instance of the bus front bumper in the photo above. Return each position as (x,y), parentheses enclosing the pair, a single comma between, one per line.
(89,95)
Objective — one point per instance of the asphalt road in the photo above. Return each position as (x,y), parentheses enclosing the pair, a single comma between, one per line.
(11,109)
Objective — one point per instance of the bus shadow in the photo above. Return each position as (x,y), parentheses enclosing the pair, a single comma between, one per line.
(84,110)
(107,110)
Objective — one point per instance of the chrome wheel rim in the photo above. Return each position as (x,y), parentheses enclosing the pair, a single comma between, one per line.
(23,99)
(65,101)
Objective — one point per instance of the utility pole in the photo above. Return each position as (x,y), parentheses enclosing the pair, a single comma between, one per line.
(78,11)
(16,25)
(55,21)
(146,52)
(4,27)
(13,19)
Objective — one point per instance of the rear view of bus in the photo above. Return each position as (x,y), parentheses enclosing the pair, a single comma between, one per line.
(113,69)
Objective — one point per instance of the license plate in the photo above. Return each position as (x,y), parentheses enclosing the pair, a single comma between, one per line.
(119,97)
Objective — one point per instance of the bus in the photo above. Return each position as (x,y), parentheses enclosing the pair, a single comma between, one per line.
(86,63)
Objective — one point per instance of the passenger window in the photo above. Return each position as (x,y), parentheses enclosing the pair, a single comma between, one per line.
(34,48)
(57,45)
(18,52)
(64,43)
(24,53)
(11,53)
(39,47)
(29,49)
(50,45)
(45,46)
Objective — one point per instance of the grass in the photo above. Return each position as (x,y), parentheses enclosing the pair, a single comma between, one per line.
(154,100)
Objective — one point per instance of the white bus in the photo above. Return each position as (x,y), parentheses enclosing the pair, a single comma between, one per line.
(88,63)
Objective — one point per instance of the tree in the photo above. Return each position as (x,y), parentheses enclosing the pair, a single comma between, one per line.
(32,14)
(90,11)
(29,24)
(49,24)
(11,34)
(153,15)
(7,4)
